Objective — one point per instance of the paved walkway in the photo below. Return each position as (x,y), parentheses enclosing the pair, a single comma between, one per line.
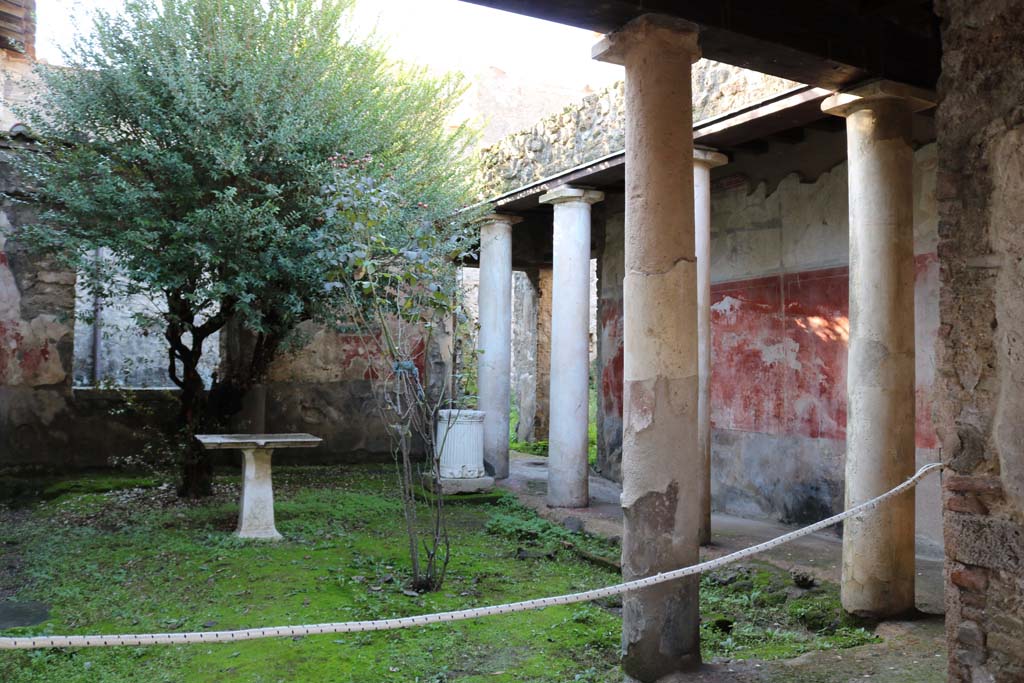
(819,554)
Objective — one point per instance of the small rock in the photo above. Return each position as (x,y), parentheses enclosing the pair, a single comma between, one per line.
(410,593)
(209,624)
(388,578)
(802,579)
(573,524)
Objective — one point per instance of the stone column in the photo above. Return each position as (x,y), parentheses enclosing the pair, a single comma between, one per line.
(662,467)
(703,161)
(568,468)
(542,406)
(494,343)
(878,547)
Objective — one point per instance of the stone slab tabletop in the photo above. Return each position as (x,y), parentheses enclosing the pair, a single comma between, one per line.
(244,441)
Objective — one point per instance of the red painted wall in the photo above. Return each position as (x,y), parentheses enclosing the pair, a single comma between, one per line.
(779,354)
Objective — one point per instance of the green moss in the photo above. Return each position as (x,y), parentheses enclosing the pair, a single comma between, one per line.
(160,565)
(141,561)
(755,612)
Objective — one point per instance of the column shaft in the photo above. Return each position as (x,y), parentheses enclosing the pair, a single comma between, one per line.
(662,466)
(703,161)
(878,547)
(568,469)
(494,363)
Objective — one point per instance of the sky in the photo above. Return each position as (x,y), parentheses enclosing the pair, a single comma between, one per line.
(441,34)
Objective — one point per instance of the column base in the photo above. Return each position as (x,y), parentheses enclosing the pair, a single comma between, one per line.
(259,535)
(452,486)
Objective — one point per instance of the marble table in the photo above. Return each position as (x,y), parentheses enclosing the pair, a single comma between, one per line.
(256,517)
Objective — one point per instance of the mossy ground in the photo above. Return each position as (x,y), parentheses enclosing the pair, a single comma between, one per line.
(138,560)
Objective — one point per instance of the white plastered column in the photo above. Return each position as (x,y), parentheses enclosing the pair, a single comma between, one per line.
(494,343)
(568,468)
(703,161)
(878,546)
(662,467)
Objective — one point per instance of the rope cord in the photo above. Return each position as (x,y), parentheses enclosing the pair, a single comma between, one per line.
(40,642)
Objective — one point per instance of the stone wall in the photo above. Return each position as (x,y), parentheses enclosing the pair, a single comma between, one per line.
(326,386)
(44,423)
(36,341)
(779,331)
(980,419)
(595,126)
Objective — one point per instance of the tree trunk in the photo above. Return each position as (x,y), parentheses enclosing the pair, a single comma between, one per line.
(197,463)
(196,473)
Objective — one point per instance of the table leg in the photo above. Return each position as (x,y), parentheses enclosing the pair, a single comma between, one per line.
(256,518)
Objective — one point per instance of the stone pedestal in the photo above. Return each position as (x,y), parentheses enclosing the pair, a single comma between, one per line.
(568,468)
(878,546)
(256,517)
(703,161)
(662,467)
(460,444)
(494,364)
(256,514)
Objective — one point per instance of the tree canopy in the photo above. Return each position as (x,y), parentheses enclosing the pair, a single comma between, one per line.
(231,156)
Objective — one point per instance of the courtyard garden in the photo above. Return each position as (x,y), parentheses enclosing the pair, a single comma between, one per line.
(126,555)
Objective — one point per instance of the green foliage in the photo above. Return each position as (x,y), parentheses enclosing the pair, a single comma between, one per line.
(530,447)
(231,157)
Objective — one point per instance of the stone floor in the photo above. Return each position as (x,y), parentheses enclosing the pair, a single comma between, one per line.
(912,650)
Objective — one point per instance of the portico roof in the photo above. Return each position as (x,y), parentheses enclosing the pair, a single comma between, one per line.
(827,43)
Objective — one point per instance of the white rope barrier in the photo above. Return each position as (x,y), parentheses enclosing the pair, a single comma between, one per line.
(40,642)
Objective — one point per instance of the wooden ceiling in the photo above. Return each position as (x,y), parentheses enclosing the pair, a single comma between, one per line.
(826,43)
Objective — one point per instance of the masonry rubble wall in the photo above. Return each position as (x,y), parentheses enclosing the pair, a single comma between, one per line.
(595,126)
(779,331)
(980,406)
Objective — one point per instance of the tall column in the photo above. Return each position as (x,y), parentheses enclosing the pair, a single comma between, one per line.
(878,546)
(568,468)
(703,161)
(494,363)
(662,467)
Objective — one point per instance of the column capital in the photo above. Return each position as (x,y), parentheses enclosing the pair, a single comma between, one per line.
(663,33)
(503,218)
(864,96)
(568,193)
(709,157)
